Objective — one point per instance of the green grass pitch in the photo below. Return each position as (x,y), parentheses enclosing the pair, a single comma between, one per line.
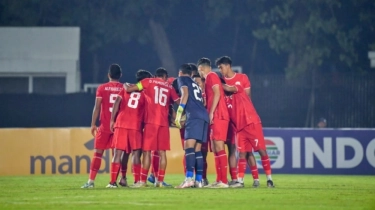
(291,192)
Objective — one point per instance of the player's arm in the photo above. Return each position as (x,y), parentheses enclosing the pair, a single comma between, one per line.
(115,109)
(95,115)
(133,88)
(215,101)
(231,89)
(184,97)
(247,86)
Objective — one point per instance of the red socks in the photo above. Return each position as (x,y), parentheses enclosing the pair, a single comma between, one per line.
(137,172)
(266,164)
(233,173)
(161,175)
(241,168)
(144,173)
(114,171)
(217,166)
(155,159)
(95,165)
(254,172)
(223,165)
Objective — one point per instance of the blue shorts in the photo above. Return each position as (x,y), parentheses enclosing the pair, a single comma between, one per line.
(196,129)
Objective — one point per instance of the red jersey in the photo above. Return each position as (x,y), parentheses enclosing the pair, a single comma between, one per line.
(170,80)
(221,112)
(238,79)
(241,109)
(108,92)
(130,115)
(159,96)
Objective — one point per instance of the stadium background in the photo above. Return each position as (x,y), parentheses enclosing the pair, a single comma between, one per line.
(299,69)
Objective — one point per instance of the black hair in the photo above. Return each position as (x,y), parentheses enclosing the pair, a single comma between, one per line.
(194,69)
(204,61)
(142,74)
(161,72)
(224,60)
(186,69)
(175,87)
(114,71)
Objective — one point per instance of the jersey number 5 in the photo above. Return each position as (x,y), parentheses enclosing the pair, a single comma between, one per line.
(112,99)
(161,96)
(197,90)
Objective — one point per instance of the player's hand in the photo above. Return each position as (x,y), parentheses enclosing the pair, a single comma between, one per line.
(211,115)
(180,110)
(111,126)
(94,129)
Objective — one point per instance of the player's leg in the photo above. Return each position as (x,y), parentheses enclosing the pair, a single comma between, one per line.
(115,167)
(124,168)
(136,165)
(182,133)
(100,144)
(253,168)
(190,163)
(259,146)
(136,145)
(163,145)
(205,148)
(155,160)
(232,160)
(199,162)
(149,144)
(243,146)
(219,135)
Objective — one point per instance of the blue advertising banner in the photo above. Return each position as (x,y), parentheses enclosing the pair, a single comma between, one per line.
(321,151)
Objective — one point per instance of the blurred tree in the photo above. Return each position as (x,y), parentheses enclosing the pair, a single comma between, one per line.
(101,22)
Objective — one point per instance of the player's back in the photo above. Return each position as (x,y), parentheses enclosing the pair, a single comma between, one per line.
(158,98)
(194,107)
(212,79)
(131,112)
(108,92)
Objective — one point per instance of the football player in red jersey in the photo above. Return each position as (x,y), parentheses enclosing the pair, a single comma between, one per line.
(219,120)
(159,95)
(155,158)
(127,135)
(106,95)
(232,78)
(249,131)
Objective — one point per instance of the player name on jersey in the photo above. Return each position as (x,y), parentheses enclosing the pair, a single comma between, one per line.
(112,88)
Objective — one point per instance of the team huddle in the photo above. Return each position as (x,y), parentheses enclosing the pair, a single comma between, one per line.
(209,110)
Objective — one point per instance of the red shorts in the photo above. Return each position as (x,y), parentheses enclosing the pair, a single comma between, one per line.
(219,130)
(127,139)
(231,136)
(156,137)
(251,137)
(103,140)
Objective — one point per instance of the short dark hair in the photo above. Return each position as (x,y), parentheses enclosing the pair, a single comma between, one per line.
(161,72)
(204,61)
(194,68)
(186,69)
(142,74)
(224,60)
(114,71)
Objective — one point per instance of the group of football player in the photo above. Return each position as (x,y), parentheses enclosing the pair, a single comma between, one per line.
(211,112)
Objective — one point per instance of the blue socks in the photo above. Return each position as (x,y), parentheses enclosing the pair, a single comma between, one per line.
(199,166)
(190,162)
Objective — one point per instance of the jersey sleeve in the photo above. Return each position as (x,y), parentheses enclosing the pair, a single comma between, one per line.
(212,80)
(143,83)
(99,92)
(246,82)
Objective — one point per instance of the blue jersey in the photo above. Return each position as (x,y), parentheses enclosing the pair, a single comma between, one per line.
(194,108)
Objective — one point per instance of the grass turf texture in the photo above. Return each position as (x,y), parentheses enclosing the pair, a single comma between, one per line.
(291,192)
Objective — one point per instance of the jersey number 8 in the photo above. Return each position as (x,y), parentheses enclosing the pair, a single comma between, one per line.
(134,99)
